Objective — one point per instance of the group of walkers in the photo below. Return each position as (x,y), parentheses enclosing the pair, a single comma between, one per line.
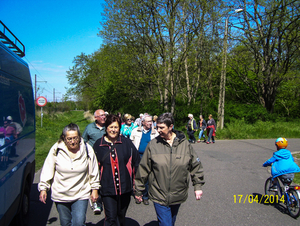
(209,126)
(112,161)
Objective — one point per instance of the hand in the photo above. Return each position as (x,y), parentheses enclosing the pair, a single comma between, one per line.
(139,198)
(198,194)
(94,195)
(43,196)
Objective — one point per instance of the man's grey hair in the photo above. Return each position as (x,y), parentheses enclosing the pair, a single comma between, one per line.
(145,116)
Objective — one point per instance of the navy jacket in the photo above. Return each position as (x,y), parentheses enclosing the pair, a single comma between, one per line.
(126,161)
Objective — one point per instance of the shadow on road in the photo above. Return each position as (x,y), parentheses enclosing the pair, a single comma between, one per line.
(129,221)
(41,210)
(274,201)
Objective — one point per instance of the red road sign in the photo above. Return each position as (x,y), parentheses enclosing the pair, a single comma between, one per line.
(41,101)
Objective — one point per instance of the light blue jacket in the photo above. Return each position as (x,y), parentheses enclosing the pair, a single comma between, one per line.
(126,130)
(283,163)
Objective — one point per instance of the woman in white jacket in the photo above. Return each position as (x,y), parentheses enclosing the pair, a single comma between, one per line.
(71,170)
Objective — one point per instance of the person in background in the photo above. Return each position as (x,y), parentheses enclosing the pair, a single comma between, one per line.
(128,126)
(138,121)
(154,121)
(120,116)
(118,160)
(211,129)
(168,161)
(202,128)
(16,125)
(140,137)
(71,171)
(191,128)
(93,132)
(96,129)
(10,131)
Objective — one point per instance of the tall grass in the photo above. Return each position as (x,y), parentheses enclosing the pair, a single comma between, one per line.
(53,125)
(239,129)
(259,130)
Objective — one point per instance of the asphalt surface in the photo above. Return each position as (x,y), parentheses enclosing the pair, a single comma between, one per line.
(234,177)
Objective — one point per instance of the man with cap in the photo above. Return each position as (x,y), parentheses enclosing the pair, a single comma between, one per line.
(16,125)
(138,121)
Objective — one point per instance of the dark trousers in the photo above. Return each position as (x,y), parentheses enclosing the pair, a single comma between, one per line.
(145,192)
(115,208)
(191,135)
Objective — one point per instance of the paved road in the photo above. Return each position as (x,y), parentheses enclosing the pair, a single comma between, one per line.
(231,168)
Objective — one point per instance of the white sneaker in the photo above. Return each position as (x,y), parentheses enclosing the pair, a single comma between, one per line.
(97,209)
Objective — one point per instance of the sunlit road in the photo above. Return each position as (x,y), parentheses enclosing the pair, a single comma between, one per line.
(233,174)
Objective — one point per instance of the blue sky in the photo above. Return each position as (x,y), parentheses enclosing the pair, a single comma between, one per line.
(53,32)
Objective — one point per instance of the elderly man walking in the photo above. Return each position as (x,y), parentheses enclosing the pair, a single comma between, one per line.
(140,137)
(91,134)
(96,129)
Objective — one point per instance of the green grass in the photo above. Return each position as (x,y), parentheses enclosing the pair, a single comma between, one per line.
(297,175)
(53,125)
(239,129)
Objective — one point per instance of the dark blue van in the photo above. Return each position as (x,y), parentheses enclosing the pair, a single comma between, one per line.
(17,130)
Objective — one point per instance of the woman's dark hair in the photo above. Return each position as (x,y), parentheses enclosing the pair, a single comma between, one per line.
(111,119)
(70,127)
(166,118)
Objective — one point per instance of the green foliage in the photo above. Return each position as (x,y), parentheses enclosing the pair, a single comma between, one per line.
(53,125)
(239,129)
(250,113)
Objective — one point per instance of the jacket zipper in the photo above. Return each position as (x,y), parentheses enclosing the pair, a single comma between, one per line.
(168,199)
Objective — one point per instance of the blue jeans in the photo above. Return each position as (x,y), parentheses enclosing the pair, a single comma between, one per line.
(201,134)
(72,213)
(210,136)
(166,215)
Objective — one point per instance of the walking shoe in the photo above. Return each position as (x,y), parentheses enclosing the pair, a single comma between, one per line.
(204,141)
(137,201)
(208,142)
(198,141)
(146,201)
(97,209)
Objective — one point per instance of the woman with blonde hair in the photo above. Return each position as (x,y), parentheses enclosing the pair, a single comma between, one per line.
(128,126)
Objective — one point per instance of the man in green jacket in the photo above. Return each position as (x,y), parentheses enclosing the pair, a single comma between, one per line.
(168,161)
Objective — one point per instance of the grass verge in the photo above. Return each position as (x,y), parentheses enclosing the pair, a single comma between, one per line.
(53,125)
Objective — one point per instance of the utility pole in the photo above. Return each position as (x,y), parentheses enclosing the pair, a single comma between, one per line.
(35,86)
(54,95)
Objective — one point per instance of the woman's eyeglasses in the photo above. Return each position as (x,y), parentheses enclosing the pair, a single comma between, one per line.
(70,139)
